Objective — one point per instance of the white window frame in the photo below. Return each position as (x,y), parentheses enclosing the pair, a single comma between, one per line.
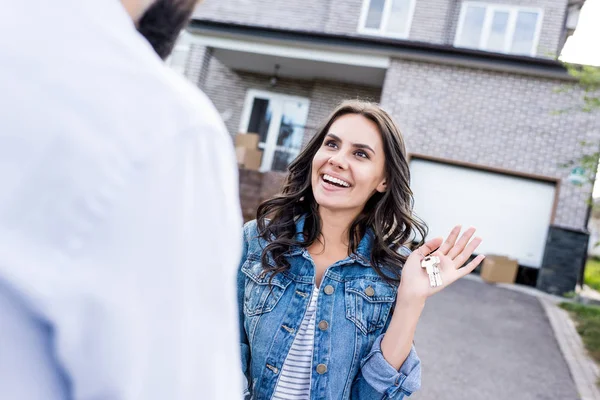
(270,145)
(180,55)
(178,58)
(385,18)
(513,12)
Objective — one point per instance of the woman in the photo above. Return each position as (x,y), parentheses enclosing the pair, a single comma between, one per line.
(325,311)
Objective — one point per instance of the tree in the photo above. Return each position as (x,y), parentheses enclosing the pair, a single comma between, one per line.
(588,79)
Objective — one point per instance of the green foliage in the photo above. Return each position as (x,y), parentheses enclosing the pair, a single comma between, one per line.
(587,320)
(592,273)
(588,79)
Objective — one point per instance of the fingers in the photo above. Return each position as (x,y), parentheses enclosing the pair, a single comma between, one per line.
(467,269)
(450,240)
(467,252)
(429,246)
(462,242)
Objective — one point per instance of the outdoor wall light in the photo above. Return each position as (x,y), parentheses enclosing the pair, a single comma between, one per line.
(275,78)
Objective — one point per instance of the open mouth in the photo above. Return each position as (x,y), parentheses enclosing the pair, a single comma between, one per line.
(335,181)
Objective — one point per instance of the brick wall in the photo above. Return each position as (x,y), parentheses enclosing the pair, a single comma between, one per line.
(434,21)
(493,119)
(197,63)
(255,187)
(307,15)
(344,17)
(325,96)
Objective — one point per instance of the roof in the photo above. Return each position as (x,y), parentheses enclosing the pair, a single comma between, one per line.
(407,49)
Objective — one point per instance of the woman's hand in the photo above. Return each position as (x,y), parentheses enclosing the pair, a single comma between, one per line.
(414,284)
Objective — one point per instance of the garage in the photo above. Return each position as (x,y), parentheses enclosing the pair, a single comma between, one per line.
(511,213)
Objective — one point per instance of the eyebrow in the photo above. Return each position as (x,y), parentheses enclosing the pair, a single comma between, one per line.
(356,145)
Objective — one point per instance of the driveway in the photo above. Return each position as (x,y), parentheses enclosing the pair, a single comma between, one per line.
(479,341)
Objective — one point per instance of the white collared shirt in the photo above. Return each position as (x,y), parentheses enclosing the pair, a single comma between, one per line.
(120,229)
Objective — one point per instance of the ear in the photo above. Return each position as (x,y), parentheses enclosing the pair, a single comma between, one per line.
(382,187)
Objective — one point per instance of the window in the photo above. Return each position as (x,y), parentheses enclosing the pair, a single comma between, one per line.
(390,18)
(499,28)
(279,121)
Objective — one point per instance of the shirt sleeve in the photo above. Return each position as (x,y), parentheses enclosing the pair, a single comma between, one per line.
(130,260)
(379,380)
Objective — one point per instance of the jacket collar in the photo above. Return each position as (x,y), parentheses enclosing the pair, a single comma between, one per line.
(363,250)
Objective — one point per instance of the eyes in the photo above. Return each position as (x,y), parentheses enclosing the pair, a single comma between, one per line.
(333,145)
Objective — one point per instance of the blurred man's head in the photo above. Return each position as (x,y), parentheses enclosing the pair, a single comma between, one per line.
(162,22)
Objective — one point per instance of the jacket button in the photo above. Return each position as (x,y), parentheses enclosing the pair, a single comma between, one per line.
(273,369)
(369,291)
(323,325)
(328,289)
(321,369)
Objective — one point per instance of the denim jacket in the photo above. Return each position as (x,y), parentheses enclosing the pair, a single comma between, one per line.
(354,301)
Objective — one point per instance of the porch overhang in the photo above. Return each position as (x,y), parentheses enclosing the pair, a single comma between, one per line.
(295,59)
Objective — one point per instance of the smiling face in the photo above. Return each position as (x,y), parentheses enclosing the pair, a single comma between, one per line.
(349,167)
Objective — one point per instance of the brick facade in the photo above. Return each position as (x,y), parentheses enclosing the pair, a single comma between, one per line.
(307,15)
(434,21)
(493,119)
(256,187)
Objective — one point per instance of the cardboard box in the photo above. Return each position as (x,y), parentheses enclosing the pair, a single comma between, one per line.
(247,140)
(253,159)
(499,269)
(248,158)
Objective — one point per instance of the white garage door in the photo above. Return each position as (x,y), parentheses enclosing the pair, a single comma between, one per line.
(511,214)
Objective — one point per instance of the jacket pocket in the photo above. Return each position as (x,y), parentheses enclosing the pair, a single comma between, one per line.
(259,296)
(368,303)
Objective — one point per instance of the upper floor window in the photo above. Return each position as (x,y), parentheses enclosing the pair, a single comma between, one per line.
(499,28)
(390,18)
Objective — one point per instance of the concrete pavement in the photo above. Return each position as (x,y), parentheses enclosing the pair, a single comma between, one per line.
(480,341)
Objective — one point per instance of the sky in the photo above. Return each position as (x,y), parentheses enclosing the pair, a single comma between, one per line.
(584,48)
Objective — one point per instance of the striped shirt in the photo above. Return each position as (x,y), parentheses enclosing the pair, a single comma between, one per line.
(294,379)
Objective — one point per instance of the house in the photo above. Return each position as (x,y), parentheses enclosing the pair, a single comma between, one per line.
(472,85)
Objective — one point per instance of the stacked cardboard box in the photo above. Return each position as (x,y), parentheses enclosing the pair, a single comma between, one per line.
(499,269)
(249,156)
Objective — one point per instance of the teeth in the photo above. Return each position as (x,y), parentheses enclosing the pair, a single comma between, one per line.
(335,180)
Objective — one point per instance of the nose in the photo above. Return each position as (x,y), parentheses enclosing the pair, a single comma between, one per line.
(338,160)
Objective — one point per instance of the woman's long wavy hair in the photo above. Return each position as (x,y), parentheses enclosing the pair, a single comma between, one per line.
(389,214)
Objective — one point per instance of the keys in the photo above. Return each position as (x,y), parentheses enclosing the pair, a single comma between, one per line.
(430,264)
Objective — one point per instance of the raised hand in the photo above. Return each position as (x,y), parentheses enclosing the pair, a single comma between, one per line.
(452,254)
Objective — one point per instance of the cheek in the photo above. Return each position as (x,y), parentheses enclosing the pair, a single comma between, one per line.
(367,178)
(318,160)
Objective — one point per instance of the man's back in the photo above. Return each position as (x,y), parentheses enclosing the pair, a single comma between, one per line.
(119,219)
